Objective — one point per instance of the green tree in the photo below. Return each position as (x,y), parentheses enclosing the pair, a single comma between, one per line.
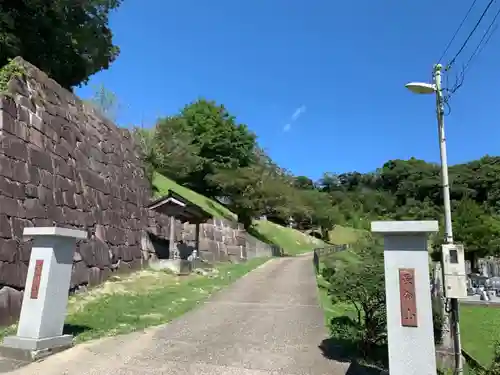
(254,191)
(176,153)
(223,144)
(145,141)
(68,40)
(477,230)
(303,182)
(359,282)
(318,212)
(106,102)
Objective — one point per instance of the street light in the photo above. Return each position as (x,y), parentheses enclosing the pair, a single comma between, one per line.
(435,88)
(431,88)
(421,87)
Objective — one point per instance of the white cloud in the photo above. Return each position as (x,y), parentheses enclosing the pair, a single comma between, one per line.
(298,112)
(295,116)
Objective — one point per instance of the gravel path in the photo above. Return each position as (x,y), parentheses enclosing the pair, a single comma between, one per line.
(268,322)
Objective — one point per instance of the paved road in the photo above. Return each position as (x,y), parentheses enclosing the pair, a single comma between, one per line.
(268,322)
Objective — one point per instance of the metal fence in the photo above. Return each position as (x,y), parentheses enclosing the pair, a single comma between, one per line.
(327,250)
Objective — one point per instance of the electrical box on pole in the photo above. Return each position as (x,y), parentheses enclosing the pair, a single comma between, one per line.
(455,278)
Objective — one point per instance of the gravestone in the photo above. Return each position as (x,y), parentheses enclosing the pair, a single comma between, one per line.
(408,298)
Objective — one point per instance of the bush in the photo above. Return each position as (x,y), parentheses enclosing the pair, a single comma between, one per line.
(359,281)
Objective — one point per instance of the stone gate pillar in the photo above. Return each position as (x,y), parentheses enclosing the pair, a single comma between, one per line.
(40,329)
(408,296)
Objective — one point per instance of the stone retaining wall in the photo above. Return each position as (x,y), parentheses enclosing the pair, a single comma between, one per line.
(220,241)
(223,240)
(63,164)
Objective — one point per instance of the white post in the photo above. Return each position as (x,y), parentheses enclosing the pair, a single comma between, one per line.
(408,296)
(174,253)
(196,252)
(40,329)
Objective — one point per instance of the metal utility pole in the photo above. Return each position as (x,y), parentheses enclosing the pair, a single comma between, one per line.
(448,235)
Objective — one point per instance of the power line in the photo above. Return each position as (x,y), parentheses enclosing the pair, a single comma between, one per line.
(448,67)
(456,31)
(486,38)
(480,46)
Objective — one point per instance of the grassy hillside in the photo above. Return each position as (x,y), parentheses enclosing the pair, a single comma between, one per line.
(341,235)
(291,240)
(164,184)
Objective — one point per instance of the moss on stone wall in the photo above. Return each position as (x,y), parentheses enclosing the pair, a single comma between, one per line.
(7,72)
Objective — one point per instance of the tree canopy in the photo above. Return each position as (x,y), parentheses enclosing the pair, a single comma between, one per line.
(69,40)
(205,148)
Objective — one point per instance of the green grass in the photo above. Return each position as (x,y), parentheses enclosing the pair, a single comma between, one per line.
(292,241)
(344,235)
(163,184)
(143,299)
(479,331)
(479,326)
(331,310)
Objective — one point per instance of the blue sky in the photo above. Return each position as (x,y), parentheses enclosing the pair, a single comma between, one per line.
(320,82)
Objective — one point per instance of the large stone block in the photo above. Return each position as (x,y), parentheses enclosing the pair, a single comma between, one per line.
(80,274)
(11,207)
(13,274)
(56,214)
(6,167)
(34,174)
(218,236)
(29,191)
(24,250)
(45,195)
(37,138)
(95,253)
(34,209)
(47,179)
(63,169)
(10,305)
(208,231)
(98,276)
(7,122)
(233,250)
(92,180)
(116,236)
(8,105)
(132,237)
(41,159)
(208,256)
(13,147)
(18,226)
(123,253)
(8,250)
(11,188)
(20,171)
(5,228)
(136,264)
(240,240)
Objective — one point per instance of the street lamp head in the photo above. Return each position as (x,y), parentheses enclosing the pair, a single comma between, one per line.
(421,87)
